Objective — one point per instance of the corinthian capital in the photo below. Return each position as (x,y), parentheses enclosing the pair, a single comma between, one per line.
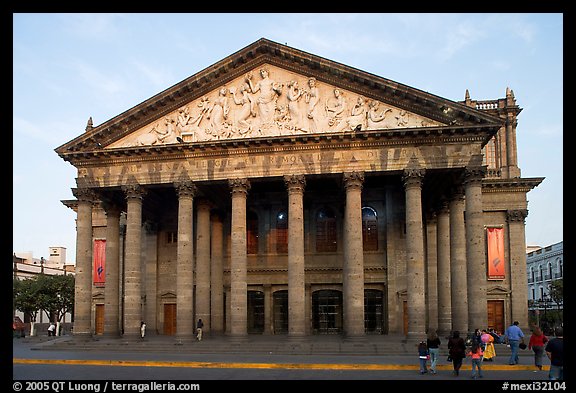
(185,188)
(134,191)
(518,215)
(239,185)
(353,180)
(295,182)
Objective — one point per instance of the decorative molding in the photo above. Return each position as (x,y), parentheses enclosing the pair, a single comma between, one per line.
(518,215)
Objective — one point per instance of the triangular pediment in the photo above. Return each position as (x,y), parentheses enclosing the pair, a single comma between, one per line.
(271,90)
(269,101)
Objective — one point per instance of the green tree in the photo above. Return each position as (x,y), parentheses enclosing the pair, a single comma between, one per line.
(24,296)
(52,294)
(55,295)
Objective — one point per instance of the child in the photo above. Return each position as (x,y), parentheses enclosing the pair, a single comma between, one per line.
(423,356)
(476,355)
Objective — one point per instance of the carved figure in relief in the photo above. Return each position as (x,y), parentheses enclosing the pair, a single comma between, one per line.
(374,117)
(218,113)
(190,126)
(334,107)
(242,123)
(269,92)
(357,116)
(294,95)
(156,136)
(402,118)
(312,97)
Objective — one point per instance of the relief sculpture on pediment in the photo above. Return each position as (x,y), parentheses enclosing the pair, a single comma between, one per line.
(272,102)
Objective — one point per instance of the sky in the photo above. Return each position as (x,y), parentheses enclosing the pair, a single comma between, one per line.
(69,67)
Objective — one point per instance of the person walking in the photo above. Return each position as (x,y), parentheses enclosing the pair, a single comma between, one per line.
(476,354)
(488,342)
(52,329)
(555,352)
(423,356)
(457,351)
(142,329)
(514,336)
(537,343)
(433,344)
(199,326)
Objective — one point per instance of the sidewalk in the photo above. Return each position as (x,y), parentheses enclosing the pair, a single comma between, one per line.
(377,345)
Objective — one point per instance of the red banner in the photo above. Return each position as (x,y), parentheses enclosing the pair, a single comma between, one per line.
(496,265)
(99,252)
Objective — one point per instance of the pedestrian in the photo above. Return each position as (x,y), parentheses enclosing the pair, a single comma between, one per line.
(51,329)
(433,344)
(537,343)
(423,356)
(555,352)
(142,329)
(457,351)
(514,337)
(476,355)
(199,326)
(488,342)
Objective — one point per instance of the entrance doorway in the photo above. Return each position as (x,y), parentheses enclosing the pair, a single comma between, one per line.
(280,312)
(373,311)
(170,319)
(255,312)
(327,311)
(496,315)
(99,315)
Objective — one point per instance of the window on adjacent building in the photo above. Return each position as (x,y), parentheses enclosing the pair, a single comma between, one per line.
(369,229)
(282,232)
(251,233)
(326,236)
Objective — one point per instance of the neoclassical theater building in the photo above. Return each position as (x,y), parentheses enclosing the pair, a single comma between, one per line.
(278,192)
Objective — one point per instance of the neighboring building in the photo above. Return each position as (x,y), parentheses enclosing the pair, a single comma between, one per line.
(278,192)
(543,266)
(25,266)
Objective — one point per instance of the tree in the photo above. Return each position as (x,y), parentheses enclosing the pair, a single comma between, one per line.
(56,295)
(51,294)
(25,300)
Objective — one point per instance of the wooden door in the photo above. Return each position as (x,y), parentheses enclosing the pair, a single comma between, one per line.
(170,319)
(405,316)
(496,315)
(99,316)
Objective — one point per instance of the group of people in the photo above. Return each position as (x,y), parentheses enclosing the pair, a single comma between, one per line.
(482,348)
(199,327)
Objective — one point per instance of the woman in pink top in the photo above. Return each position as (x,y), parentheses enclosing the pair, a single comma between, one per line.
(537,342)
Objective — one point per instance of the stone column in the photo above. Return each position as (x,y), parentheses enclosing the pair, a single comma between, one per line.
(459,294)
(268,310)
(203,264)
(83,286)
(415,269)
(216,277)
(185,327)
(132,262)
(353,270)
(518,275)
(238,260)
(475,250)
(431,277)
(444,282)
(296,280)
(112,288)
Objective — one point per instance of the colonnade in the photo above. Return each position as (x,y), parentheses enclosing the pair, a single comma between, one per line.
(460,259)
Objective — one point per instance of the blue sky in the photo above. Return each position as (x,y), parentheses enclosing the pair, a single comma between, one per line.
(69,67)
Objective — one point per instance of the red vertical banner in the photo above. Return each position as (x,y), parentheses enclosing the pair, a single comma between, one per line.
(496,265)
(99,252)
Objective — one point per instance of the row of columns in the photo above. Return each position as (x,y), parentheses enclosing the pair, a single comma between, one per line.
(460,258)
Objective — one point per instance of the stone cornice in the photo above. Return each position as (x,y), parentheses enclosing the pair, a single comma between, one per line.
(507,185)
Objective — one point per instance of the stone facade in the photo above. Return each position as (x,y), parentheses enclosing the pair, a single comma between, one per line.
(277,192)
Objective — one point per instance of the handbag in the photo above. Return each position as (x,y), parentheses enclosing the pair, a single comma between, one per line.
(522,346)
